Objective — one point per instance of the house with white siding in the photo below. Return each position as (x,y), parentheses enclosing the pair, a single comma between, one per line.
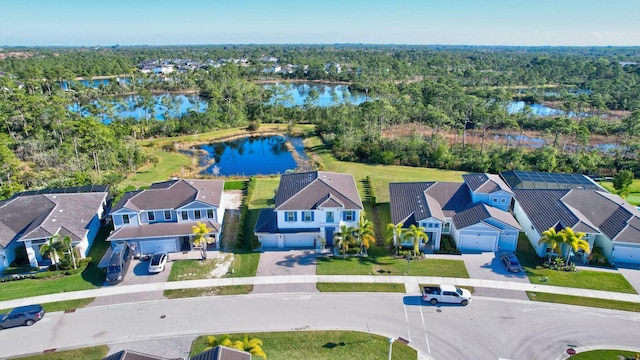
(309,207)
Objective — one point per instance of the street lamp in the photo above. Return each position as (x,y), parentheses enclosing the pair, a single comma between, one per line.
(390,347)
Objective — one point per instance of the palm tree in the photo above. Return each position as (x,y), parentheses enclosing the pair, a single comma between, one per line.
(393,234)
(365,234)
(415,234)
(346,235)
(67,243)
(553,240)
(574,240)
(53,249)
(253,346)
(201,231)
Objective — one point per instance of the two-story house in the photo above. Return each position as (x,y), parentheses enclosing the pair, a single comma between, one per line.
(474,213)
(309,207)
(29,219)
(161,218)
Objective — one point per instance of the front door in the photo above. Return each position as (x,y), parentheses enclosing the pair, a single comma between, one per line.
(186,244)
(329,236)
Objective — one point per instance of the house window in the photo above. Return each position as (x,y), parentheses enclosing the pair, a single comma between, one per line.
(125,219)
(167,215)
(307,216)
(197,214)
(430,225)
(503,200)
(289,216)
(151,215)
(329,216)
(447,227)
(436,225)
(210,213)
(349,216)
(185,215)
(495,200)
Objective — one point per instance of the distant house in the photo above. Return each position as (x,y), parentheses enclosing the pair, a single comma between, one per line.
(31,218)
(161,217)
(609,222)
(473,213)
(309,206)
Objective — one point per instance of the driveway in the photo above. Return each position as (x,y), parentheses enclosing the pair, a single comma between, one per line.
(487,266)
(138,273)
(631,272)
(282,263)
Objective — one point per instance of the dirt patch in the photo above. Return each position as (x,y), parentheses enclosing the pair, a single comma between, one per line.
(222,266)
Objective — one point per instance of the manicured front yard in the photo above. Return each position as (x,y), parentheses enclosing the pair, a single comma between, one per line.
(582,301)
(604,355)
(360,287)
(584,279)
(320,345)
(388,265)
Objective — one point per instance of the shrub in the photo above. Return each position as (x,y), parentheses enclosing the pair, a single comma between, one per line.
(21,257)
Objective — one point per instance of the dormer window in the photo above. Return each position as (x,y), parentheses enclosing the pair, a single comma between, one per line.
(210,213)
(197,214)
(125,219)
(167,214)
(151,215)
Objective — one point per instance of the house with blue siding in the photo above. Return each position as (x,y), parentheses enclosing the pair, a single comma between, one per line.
(29,219)
(309,207)
(160,219)
(474,213)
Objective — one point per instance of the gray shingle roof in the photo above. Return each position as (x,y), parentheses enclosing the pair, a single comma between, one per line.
(481,212)
(267,221)
(173,194)
(584,210)
(485,183)
(415,201)
(159,229)
(41,216)
(306,191)
(222,353)
(132,355)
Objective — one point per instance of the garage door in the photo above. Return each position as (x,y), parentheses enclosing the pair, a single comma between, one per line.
(295,241)
(507,243)
(626,254)
(154,246)
(269,241)
(477,243)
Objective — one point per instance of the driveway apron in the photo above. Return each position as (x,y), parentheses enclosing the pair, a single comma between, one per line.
(488,266)
(283,263)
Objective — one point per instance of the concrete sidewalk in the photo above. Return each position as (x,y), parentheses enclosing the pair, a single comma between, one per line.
(411,284)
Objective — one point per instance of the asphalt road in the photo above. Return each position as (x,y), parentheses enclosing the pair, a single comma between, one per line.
(486,329)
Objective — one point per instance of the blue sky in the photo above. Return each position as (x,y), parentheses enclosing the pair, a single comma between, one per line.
(452,22)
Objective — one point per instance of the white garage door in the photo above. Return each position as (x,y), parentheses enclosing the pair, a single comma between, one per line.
(507,243)
(626,254)
(154,246)
(299,240)
(269,242)
(473,242)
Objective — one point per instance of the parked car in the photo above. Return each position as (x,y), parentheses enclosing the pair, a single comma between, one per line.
(119,263)
(445,293)
(511,262)
(158,262)
(23,315)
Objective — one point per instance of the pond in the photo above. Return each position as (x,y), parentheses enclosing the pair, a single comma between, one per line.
(515,107)
(299,93)
(255,155)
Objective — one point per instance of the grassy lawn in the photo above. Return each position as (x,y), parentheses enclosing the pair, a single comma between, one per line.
(360,287)
(264,192)
(387,265)
(319,345)
(604,355)
(243,265)
(381,175)
(90,278)
(584,279)
(580,301)
(90,353)
(169,166)
(634,191)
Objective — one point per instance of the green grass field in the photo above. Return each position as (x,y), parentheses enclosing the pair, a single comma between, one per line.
(387,265)
(605,355)
(380,175)
(264,192)
(582,301)
(321,345)
(90,353)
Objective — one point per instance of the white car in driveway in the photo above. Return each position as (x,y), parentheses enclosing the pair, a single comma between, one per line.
(158,262)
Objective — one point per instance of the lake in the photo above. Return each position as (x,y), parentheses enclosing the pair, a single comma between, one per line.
(296,94)
(255,155)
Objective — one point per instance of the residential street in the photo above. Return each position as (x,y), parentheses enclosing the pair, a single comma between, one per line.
(486,329)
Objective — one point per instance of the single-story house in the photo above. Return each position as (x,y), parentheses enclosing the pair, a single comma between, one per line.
(30,219)
(161,218)
(608,221)
(309,208)
(470,212)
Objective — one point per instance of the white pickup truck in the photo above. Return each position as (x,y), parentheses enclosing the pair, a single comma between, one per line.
(446,294)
